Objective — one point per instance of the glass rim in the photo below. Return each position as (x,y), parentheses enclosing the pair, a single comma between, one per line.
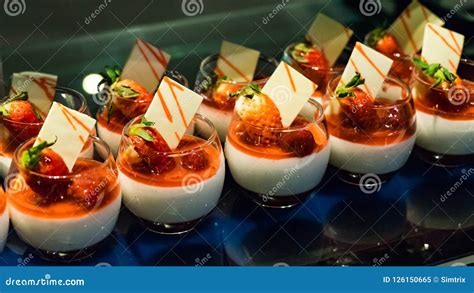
(61,90)
(96,139)
(333,69)
(179,153)
(399,102)
(315,120)
(213,57)
(416,75)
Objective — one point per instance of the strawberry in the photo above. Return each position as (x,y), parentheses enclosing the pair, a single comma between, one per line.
(259,114)
(305,53)
(133,98)
(356,104)
(41,159)
(21,117)
(88,189)
(439,75)
(223,92)
(195,161)
(300,142)
(150,146)
(384,42)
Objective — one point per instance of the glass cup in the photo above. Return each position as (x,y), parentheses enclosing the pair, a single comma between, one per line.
(445,118)
(110,123)
(13,133)
(64,218)
(279,167)
(4,219)
(218,104)
(371,141)
(170,192)
(319,76)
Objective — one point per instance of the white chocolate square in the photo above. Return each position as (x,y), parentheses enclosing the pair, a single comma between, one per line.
(71,129)
(408,28)
(173,109)
(289,90)
(329,36)
(236,62)
(146,64)
(372,65)
(442,46)
(41,88)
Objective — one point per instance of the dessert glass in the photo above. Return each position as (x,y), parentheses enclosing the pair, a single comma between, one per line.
(4,219)
(10,141)
(380,141)
(272,175)
(176,199)
(110,124)
(218,104)
(445,118)
(65,217)
(320,76)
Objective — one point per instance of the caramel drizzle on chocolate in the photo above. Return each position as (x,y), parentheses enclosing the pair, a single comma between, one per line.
(70,117)
(456,51)
(233,67)
(290,77)
(160,57)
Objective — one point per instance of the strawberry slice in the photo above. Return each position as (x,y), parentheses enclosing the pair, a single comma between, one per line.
(20,114)
(300,142)
(134,99)
(150,146)
(41,159)
(260,115)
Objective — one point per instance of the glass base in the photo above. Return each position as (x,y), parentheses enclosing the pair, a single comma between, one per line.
(278,202)
(171,228)
(369,181)
(67,256)
(444,160)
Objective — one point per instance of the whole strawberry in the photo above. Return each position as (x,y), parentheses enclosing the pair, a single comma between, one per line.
(384,42)
(133,99)
(150,147)
(20,117)
(259,114)
(305,53)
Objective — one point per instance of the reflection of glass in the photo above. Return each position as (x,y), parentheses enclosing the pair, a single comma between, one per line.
(13,133)
(4,219)
(279,167)
(445,117)
(218,104)
(65,216)
(371,136)
(172,191)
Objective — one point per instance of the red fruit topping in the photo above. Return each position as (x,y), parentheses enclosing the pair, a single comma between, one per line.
(196,161)
(388,45)
(88,188)
(134,99)
(308,54)
(51,164)
(300,142)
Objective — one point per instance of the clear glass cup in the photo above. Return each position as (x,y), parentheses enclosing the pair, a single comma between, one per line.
(13,133)
(218,104)
(65,217)
(445,118)
(170,192)
(110,123)
(4,219)
(371,141)
(279,167)
(320,76)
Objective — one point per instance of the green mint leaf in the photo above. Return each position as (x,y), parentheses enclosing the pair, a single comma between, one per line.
(30,158)
(248,91)
(435,70)
(21,96)
(375,36)
(125,92)
(111,74)
(420,63)
(138,129)
(345,90)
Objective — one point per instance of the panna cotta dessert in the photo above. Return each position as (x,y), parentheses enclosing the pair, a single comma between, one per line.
(218,90)
(276,166)
(311,62)
(61,213)
(370,135)
(4,219)
(20,120)
(445,112)
(171,190)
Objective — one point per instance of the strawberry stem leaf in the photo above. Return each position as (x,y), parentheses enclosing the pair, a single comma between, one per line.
(138,129)
(435,70)
(30,158)
(125,92)
(248,91)
(111,74)
(345,90)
